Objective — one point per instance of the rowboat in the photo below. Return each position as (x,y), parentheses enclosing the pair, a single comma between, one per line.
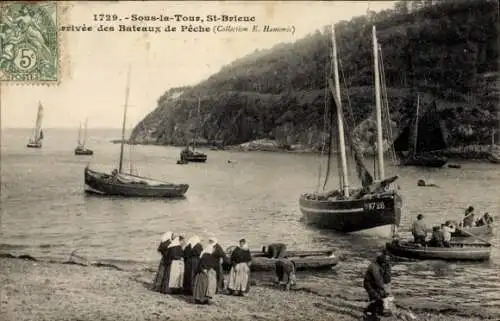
(304,260)
(475,230)
(456,252)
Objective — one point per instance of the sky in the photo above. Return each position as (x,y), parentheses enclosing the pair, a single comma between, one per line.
(94,64)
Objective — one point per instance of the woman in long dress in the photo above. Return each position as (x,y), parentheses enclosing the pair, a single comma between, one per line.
(240,269)
(221,257)
(205,282)
(175,261)
(192,253)
(161,273)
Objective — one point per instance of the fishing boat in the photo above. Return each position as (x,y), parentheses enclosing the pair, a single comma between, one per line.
(483,230)
(375,207)
(80,148)
(304,260)
(36,140)
(424,135)
(494,155)
(119,183)
(191,154)
(456,252)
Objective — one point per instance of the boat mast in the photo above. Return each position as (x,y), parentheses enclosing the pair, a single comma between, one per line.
(199,124)
(79,134)
(124,121)
(84,133)
(340,122)
(380,147)
(415,136)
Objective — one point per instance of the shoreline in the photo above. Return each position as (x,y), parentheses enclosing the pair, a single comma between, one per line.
(465,152)
(40,290)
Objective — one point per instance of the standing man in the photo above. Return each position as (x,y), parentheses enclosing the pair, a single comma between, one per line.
(419,230)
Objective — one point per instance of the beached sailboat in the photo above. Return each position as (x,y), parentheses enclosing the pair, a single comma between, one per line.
(415,146)
(191,154)
(80,148)
(373,208)
(36,140)
(119,183)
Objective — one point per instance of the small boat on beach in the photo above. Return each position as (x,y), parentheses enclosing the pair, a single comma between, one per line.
(483,230)
(304,260)
(456,252)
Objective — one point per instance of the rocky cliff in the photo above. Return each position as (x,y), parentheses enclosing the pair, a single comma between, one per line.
(446,52)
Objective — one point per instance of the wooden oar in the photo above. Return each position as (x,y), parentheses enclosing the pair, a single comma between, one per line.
(475,236)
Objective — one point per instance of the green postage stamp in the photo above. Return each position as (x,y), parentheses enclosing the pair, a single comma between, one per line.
(29,49)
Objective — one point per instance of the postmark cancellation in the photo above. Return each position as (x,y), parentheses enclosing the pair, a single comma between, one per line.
(29,48)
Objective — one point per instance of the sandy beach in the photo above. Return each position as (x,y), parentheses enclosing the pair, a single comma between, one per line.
(35,290)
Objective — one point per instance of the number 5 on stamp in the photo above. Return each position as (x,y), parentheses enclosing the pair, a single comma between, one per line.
(28,42)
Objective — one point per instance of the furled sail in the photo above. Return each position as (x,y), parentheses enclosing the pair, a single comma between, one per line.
(363,174)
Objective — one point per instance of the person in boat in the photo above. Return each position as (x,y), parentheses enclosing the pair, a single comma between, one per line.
(161,275)
(437,236)
(205,282)
(175,262)
(192,253)
(419,230)
(239,276)
(221,257)
(275,250)
(468,220)
(485,220)
(377,283)
(448,228)
(285,270)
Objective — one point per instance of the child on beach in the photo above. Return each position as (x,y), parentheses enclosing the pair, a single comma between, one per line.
(285,270)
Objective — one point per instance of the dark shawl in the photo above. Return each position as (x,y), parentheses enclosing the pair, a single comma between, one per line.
(240,255)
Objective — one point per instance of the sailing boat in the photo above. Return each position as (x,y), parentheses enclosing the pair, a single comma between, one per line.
(415,146)
(191,155)
(119,183)
(376,205)
(80,148)
(36,140)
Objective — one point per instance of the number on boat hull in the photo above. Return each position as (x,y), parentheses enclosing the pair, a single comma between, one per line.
(373,206)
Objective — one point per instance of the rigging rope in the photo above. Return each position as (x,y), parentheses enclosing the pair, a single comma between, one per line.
(325,129)
(329,127)
(386,115)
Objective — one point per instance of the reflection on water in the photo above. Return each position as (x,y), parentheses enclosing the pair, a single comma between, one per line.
(46,213)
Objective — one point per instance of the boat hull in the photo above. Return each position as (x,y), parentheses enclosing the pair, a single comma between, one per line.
(79,151)
(311,263)
(350,216)
(425,161)
(484,230)
(457,251)
(196,158)
(34,145)
(103,184)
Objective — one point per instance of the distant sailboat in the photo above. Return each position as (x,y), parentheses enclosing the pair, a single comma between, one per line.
(80,148)
(494,156)
(191,155)
(415,147)
(36,140)
(118,183)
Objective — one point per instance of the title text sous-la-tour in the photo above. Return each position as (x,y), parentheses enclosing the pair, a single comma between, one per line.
(187,18)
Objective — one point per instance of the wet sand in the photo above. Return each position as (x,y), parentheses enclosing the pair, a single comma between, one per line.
(35,290)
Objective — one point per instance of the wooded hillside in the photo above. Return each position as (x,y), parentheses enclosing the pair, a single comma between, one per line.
(446,51)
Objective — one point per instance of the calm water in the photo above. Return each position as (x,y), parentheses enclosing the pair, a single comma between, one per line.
(46,214)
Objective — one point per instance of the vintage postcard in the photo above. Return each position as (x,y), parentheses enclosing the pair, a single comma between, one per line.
(249,160)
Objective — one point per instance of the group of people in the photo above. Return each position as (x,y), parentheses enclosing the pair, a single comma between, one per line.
(470,221)
(441,235)
(190,267)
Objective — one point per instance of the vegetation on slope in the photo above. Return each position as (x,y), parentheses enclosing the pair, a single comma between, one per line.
(446,51)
